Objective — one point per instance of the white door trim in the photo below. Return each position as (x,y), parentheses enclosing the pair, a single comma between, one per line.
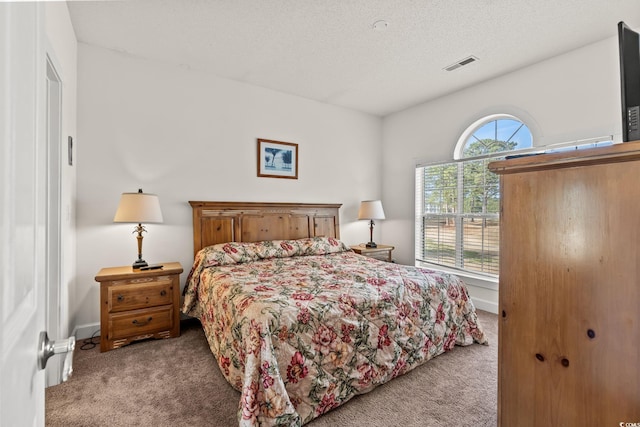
(54,303)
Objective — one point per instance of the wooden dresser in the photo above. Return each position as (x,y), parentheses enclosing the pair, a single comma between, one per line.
(137,304)
(569,303)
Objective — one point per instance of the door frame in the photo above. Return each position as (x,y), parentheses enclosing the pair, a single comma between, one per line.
(54,305)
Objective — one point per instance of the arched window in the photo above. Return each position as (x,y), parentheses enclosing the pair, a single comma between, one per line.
(457,203)
(493,134)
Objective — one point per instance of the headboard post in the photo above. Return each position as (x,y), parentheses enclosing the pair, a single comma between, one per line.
(220,222)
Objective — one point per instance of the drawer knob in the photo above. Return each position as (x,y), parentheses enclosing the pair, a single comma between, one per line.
(163,293)
(143,323)
(120,298)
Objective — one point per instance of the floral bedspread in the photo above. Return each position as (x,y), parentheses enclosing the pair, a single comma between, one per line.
(301,326)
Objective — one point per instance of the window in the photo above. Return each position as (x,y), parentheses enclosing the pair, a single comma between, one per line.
(457,203)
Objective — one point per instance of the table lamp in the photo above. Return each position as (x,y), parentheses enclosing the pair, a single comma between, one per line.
(139,208)
(371,209)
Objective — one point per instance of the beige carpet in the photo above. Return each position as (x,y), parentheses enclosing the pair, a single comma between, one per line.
(176,382)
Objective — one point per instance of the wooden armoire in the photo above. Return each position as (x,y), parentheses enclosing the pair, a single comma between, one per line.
(569,298)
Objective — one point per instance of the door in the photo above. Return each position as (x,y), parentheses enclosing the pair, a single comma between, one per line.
(22,213)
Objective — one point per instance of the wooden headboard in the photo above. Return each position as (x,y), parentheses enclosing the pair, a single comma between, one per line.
(220,222)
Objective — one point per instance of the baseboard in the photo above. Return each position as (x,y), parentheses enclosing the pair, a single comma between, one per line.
(482,304)
(86,331)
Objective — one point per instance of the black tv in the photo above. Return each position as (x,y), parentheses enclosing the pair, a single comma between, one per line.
(629,44)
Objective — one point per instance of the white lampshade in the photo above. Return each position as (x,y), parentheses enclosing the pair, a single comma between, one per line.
(138,208)
(371,209)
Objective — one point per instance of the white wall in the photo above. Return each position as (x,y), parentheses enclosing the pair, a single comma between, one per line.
(62,49)
(569,97)
(187,135)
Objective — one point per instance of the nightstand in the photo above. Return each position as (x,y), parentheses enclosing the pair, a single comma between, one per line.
(382,252)
(138,304)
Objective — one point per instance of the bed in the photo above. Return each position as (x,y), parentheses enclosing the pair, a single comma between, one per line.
(300,324)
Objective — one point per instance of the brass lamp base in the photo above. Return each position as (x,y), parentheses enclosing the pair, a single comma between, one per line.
(139,262)
(371,243)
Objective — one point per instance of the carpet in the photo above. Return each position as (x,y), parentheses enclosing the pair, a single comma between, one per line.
(176,382)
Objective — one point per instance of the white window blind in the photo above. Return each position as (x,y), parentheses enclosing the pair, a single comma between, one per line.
(459,221)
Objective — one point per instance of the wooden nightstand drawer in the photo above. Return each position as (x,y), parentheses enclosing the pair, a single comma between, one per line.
(138,304)
(140,322)
(381,252)
(382,256)
(140,293)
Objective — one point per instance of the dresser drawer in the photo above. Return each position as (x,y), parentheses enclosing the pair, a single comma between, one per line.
(132,294)
(140,322)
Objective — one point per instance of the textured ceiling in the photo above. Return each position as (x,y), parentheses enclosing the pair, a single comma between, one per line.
(327,50)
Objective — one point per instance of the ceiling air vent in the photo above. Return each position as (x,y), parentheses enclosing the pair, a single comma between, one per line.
(462,62)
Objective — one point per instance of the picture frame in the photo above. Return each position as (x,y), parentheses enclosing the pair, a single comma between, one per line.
(277,159)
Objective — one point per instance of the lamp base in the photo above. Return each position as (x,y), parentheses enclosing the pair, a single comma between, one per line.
(371,245)
(139,263)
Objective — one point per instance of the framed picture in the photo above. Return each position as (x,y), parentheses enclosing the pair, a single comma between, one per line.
(277,159)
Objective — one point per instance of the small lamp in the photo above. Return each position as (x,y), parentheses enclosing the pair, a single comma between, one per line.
(371,209)
(138,208)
